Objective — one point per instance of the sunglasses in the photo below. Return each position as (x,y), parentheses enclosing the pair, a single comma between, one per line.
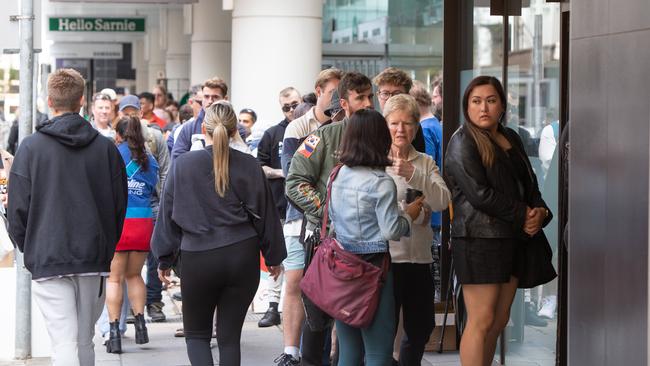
(287,107)
(101,96)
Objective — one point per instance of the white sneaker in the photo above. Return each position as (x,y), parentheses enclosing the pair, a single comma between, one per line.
(549,304)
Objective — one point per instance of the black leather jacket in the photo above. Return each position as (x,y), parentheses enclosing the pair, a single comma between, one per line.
(489,202)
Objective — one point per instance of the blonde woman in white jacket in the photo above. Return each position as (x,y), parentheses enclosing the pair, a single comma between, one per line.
(411,256)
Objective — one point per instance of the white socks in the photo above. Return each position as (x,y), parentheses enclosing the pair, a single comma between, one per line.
(293,351)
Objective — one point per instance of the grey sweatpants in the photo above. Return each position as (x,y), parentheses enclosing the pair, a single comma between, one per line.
(274,288)
(71,306)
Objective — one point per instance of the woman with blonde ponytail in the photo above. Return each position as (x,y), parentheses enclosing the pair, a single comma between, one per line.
(218,211)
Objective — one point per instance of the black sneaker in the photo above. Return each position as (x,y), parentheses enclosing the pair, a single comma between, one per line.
(154,310)
(286,360)
(270,318)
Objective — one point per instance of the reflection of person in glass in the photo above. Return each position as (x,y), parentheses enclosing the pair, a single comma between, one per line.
(496,205)
(514,122)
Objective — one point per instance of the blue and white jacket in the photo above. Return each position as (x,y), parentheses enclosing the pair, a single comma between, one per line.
(363,210)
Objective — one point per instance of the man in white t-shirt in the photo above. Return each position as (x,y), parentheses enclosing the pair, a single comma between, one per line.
(102,115)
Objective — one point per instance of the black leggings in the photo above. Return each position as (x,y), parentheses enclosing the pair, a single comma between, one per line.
(226,279)
(414,295)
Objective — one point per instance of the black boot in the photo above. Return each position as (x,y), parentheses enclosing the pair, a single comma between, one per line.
(114,343)
(141,334)
(271,317)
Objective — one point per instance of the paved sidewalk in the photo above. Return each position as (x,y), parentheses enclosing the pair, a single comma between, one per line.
(259,346)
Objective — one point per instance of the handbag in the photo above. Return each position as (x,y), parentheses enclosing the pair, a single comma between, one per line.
(536,262)
(340,283)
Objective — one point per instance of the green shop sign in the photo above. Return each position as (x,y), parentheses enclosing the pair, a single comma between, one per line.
(70,24)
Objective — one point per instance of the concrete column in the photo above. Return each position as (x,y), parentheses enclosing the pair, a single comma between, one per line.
(177,61)
(275,44)
(155,51)
(141,67)
(210,45)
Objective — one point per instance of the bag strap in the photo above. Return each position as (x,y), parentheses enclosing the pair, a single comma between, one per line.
(251,214)
(333,174)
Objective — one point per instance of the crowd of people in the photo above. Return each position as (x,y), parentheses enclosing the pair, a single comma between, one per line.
(197,190)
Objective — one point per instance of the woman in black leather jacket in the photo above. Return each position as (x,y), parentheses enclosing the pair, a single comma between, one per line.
(496,205)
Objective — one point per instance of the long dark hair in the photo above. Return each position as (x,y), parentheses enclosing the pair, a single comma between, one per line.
(130,130)
(480,136)
(366,141)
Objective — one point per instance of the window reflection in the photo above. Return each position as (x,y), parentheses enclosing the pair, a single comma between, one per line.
(370,35)
(533,105)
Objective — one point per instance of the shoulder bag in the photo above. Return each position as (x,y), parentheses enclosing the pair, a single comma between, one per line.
(536,262)
(340,283)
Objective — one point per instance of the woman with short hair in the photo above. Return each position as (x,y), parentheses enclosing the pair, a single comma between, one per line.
(413,171)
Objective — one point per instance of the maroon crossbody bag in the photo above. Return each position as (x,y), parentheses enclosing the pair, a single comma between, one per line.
(339,282)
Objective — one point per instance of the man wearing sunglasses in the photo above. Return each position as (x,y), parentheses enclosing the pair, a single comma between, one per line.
(269,151)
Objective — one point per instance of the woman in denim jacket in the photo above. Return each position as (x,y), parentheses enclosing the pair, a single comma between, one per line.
(364,213)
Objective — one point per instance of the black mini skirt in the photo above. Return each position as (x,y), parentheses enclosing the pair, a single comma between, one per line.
(485,260)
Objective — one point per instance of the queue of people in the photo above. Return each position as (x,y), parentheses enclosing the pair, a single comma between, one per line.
(121,203)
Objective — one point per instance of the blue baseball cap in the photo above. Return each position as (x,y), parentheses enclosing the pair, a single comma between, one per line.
(130,101)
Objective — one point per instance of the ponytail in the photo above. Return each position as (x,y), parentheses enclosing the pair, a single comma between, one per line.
(130,130)
(220,156)
(220,122)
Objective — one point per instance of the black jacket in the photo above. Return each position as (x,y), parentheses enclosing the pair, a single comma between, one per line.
(67,198)
(489,202)
(269,152)
(192,217)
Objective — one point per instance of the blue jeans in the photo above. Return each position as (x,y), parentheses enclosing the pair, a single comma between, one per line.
(376,340)
(154,286)
(103,322)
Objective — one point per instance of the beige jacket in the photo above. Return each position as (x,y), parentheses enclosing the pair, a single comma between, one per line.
(416,248)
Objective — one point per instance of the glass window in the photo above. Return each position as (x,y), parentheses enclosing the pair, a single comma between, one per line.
(533,103)
(369,35)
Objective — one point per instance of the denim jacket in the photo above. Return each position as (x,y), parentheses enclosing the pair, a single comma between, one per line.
(363,210)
